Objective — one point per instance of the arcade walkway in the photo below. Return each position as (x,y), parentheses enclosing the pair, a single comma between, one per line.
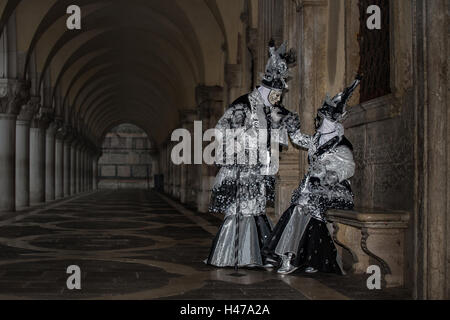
(139,245)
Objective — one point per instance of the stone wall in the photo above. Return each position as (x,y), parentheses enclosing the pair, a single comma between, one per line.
(325,35)
(399,135)
(127,160)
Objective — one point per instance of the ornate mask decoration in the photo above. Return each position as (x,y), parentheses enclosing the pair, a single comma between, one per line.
(277,70)
(274,97)
(334,108)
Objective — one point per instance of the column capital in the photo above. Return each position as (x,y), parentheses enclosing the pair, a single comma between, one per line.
(42,118)
(13,95)
(60,128)
(52,129)
(188,116)
(29,109)
(67,133)
(79,141)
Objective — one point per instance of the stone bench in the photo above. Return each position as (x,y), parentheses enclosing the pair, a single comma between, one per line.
(367,237)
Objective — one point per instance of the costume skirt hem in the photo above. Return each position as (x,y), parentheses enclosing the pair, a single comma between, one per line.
(253,232)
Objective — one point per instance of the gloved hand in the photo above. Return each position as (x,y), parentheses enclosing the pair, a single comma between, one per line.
(290,120)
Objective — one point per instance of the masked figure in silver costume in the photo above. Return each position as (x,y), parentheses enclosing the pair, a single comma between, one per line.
(242,190)
(301,238)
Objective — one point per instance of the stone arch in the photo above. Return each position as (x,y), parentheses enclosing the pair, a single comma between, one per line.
(188,52)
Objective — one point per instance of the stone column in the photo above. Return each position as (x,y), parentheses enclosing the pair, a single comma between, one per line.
(39,125)
(78,167)
(167,168)
(68,165)
(95,171)
(88,180)
(13,94)
(188,118)
(270,26)
(432,122)
(305,87)
(234,80)
(7,161)
(50,157)
(23,153)
(91,169)
(170,175)
(176,181)
(311,23)
(73,169)
(86,170)
(59,161)
(88,167)
(163,166)
(210,100)
(22,163)
(82,168)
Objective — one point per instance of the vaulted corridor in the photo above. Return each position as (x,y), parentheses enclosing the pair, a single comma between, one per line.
(93,93)
(139,245)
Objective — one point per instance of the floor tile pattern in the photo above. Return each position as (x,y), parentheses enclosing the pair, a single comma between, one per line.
(140,245)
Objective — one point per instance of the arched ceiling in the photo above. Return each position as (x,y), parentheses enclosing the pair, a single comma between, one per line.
(136,61)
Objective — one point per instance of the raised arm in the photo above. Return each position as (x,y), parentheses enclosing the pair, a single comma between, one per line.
(291,123)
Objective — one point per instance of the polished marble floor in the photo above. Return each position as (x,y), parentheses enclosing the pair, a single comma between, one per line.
(140,245)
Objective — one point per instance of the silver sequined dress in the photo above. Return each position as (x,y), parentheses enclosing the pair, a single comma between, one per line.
(302,230)
(243,189)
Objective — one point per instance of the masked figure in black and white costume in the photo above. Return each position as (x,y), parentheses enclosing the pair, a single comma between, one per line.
(301,238)
(242,189)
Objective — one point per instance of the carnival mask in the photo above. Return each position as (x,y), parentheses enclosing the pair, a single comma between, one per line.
(274,97)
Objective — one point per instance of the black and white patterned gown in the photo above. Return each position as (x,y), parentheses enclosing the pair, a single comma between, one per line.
(302,230)
(244,188)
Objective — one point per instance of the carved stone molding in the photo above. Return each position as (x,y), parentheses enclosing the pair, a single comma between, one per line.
(373,237)
(300,4)
(42,118)
(188,116)
(60,128)
(382,108)
(28,110)
(339,243)
(13,95)
(52,129)
(364,237)
(78,141)
(61,133)
(69,133)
